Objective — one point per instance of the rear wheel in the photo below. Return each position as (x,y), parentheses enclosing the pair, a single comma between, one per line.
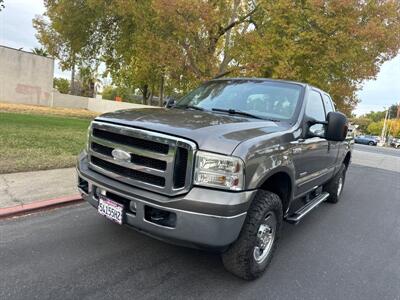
(335,186)
(251,254)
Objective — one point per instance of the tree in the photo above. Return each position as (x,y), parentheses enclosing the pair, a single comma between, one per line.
(393,125)
(127,95)
(334,45)
(362,122)
(87,79)
(61,84)
(40,51)
(375,128)
(376,116)
(175,44)
(394,111)
(64,31)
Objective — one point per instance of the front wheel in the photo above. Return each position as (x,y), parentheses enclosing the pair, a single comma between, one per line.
(371,143)
(251,254)
(335,186)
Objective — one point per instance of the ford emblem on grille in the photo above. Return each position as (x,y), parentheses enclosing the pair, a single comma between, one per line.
(121,155)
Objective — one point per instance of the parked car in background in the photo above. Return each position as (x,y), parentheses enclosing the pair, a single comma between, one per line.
(366,140)
(395,143)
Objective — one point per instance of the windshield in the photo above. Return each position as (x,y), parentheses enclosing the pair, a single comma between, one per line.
(267,100)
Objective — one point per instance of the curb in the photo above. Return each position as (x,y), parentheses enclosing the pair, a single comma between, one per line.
(38,205)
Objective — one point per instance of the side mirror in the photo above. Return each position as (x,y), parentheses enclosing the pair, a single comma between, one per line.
(170,103)
(337,127)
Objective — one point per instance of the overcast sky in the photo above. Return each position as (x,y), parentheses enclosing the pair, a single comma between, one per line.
(16,31)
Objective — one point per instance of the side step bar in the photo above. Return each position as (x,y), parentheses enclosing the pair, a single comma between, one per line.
(304,210)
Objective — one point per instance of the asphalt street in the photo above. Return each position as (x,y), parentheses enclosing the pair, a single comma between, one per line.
(350,250)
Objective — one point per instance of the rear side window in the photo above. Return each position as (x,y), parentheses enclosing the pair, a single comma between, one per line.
(315,108)
(328,103)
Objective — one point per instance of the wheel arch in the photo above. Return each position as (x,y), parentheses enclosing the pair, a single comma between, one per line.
(281,182)
(347,159)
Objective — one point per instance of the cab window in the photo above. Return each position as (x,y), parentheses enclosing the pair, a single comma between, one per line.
(328,103)
(315,110)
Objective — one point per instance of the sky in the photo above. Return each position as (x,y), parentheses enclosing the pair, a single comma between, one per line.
(16,31)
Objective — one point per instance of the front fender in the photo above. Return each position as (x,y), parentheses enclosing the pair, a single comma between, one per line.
(265,163)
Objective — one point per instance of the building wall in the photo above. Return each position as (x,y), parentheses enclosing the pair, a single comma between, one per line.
(68,101)
(92,104)
(103,106)
(25,77)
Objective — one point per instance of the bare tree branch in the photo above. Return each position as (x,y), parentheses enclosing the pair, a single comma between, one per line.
(192,64)
(238,21)
(227,57)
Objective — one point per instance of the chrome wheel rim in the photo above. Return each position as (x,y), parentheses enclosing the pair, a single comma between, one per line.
(340,186)
(265,238)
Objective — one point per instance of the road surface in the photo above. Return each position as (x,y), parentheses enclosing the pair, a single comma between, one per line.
(346,251)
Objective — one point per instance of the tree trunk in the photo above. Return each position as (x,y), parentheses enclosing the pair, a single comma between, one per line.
(145,92)
(161,97)
(150,98)
(227,58)
(73,91)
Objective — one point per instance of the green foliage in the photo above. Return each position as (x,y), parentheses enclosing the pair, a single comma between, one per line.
(375,116)
(372,122)
(126,94)
(109,93)
(362,123)
(393,109)
(334,45)
(40,51)
(86,81)
(61,84)
(375,128)
(393,128)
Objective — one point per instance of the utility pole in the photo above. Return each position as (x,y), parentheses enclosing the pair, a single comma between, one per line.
(383,134)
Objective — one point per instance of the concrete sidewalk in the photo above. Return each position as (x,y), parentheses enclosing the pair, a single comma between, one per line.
(18,189)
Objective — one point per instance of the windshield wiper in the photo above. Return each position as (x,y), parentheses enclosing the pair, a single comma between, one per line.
(237,112)
(190,107)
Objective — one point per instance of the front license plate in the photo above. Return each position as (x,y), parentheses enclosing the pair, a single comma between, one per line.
(111,210)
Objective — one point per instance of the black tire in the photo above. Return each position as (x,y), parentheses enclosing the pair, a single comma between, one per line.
(335,186)
(371,143)
(240,259)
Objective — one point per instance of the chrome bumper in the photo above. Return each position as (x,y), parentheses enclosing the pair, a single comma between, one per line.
(204,217)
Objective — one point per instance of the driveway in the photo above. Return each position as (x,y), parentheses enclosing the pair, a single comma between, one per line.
(344,251)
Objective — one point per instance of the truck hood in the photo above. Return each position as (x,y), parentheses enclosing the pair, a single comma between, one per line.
(211,131)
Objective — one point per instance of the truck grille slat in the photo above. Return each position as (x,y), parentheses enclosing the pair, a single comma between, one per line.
(129,173)
(136,159)
(180,167)
(157,162)
(129,140)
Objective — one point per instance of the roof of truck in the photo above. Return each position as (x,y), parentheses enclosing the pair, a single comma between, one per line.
(259,79)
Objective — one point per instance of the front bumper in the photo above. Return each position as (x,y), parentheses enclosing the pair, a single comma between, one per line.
(203,217)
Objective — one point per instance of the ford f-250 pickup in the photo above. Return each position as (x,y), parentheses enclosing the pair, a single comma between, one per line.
(222,168)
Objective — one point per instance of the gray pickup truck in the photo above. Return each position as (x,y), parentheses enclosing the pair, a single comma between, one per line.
(221,169)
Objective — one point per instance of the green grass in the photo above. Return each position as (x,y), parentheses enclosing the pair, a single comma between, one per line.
(37,142)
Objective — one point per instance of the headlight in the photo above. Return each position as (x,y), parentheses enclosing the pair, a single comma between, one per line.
(219,171)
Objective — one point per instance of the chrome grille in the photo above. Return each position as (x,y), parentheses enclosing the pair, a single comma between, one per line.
(158,162)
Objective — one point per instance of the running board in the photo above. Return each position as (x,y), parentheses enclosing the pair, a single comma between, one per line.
(304,210)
